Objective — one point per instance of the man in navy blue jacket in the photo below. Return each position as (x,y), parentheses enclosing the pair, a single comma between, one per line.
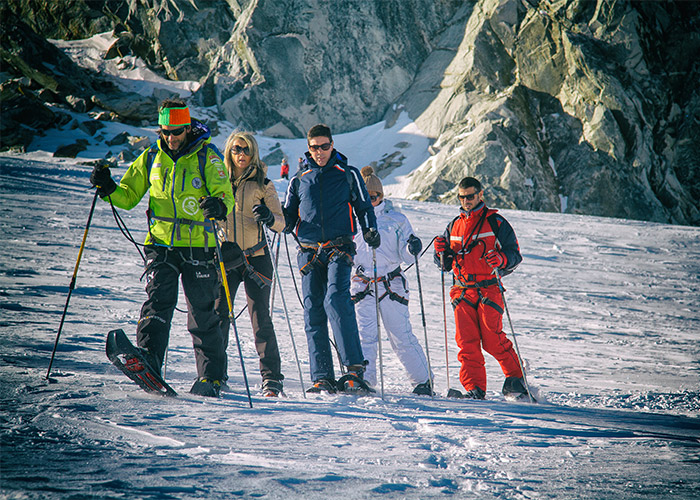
(324,203)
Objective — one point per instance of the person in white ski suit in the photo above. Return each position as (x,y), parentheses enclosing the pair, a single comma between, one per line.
(398,244)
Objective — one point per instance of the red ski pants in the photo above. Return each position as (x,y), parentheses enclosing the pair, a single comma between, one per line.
(479,322)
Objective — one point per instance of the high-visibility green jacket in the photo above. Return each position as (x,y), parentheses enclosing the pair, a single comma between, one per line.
(175,185)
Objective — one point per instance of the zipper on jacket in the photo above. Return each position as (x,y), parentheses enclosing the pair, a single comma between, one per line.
(320,197)
(172,199)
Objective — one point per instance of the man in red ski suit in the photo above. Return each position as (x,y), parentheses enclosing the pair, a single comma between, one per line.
(477,244)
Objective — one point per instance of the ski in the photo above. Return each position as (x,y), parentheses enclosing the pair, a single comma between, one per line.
(131,361)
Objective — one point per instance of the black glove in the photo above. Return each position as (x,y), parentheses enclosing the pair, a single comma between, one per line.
(415,245)
(372,237)
(263,215)
(101,178)
(289,222)
(212,208)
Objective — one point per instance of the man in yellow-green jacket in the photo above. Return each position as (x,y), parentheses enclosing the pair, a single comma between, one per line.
(188,185)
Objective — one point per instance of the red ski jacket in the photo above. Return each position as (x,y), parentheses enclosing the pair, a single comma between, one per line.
(471,236)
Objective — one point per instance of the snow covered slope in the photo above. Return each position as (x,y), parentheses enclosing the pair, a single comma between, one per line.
(606,314)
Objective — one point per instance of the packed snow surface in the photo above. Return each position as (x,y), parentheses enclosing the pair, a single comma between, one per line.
(605,312)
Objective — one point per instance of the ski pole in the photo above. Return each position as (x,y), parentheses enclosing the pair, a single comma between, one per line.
(276,262)
(286,313)
(444,318)
(224,280)
(379,329)
(72,282)
(512,331)
(425,328)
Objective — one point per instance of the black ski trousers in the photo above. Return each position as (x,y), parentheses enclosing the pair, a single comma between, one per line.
(200,282)
(258,298)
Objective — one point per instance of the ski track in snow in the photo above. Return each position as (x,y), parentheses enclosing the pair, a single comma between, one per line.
(606,314)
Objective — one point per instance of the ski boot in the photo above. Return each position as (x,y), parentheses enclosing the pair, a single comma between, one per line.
(271,388)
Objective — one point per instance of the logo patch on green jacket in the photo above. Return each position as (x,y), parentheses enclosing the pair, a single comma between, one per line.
(190,206)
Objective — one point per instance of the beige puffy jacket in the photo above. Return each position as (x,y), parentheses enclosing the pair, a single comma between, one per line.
(240,225)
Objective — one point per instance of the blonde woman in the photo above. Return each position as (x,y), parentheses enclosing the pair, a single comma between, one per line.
(257,204)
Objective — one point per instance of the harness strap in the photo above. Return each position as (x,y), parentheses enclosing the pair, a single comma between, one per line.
(385,280)
(469,281)
(462,298)
(484,300)
(332,245)
(260,245)
(165,261)
(178,221)
(488,302)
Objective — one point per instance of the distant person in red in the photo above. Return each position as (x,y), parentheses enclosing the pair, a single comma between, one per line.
(476,244)
(284,169)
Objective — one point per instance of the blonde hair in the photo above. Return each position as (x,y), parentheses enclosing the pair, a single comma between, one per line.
(255,162)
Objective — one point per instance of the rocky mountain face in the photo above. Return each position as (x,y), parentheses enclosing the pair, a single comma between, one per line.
(580,106)
(585,107)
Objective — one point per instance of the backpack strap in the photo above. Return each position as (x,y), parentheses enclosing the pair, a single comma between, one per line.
(201,157)
(150,158)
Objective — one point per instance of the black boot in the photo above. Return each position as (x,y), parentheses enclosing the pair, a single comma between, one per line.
(424,389)
(514,387)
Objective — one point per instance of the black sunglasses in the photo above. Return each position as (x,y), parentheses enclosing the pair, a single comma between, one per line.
(324,147)
(176,131)
(238,150)
(468,197)
(375,197)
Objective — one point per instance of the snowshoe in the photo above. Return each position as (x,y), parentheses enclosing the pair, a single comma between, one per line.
(353,383)
(514,390)
(136,363)
(424,389)
(475,393)
(323,385)
(454,393)
(206,387)
(271,388)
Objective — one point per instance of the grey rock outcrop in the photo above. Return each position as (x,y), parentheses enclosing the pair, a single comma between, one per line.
(290,65)
(571,106)
(580,106)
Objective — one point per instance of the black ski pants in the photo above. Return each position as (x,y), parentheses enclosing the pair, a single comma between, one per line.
(258,298)
(200,282)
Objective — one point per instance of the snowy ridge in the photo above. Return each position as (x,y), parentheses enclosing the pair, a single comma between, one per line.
(605,312)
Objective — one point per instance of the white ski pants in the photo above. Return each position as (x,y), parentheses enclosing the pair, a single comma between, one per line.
(396,322)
